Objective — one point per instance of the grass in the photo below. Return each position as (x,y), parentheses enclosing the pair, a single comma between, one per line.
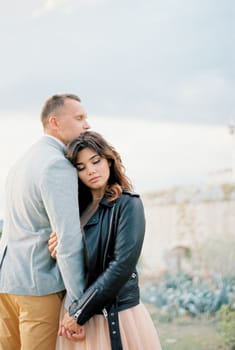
(188,333)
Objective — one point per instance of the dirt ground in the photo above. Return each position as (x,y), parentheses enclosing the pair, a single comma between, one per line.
(188,334)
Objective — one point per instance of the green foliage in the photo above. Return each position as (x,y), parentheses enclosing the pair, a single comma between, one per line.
(182,294)
(228,189)
(226,316)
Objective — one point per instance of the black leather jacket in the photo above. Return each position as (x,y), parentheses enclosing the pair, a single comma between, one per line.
(113,241)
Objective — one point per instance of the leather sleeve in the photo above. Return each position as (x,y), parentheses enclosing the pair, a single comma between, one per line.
(130,230)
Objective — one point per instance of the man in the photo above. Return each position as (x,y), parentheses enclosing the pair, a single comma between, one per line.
(41,197)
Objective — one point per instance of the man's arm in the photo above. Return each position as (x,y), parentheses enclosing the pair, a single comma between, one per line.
(59,190)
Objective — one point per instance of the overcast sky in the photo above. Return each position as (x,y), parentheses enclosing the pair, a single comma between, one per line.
(161,59)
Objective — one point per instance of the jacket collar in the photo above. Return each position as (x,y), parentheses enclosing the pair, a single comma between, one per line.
(95,217)
(53,141)
(106,203)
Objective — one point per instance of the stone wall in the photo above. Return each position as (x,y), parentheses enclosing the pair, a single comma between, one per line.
(191,228)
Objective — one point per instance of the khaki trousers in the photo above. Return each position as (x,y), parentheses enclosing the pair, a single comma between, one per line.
(29,322)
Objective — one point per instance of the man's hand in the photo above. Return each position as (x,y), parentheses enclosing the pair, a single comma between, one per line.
(70,329)
(52,244)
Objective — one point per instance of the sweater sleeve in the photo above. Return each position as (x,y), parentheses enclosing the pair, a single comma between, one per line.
(59,190)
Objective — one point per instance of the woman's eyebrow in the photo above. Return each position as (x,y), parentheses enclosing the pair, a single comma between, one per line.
(95,155)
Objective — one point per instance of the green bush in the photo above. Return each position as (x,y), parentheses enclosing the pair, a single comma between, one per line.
(226,316)
(181,294)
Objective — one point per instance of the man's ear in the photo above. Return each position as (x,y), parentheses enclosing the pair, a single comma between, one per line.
(53,122)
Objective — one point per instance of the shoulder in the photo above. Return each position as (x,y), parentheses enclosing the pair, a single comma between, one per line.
(130,193)
(129,198)
(126,198)
(57,168)
(130,206)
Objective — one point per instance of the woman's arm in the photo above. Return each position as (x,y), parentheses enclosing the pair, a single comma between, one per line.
(130,229)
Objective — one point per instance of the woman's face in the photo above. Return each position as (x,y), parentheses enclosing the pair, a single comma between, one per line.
(93,170)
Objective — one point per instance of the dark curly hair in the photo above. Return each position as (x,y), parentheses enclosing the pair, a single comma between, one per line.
(117,182)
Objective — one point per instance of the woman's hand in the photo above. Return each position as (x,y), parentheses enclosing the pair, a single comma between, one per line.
(70,329)
(52,244)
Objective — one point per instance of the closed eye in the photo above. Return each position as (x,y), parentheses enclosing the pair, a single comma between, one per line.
(80,117)
(96,161)
(79,167)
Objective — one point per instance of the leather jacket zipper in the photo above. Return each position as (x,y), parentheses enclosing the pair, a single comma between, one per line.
(109,236)
(105,313)
(90,297)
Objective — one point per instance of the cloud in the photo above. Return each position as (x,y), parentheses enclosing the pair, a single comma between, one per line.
(64,6)
(49,6)
(13,11)
(87,2)
(209,94)
(159,58)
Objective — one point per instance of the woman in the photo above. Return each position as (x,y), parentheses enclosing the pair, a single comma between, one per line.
(112,218)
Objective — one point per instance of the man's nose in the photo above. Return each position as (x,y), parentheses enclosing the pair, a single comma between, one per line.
(86,125)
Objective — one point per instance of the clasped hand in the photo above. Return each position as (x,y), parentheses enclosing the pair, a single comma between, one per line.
(70,329)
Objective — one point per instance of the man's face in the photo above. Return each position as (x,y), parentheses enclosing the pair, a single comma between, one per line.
(71,120)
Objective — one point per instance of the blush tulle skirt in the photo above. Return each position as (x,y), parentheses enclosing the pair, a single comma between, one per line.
(136,327)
